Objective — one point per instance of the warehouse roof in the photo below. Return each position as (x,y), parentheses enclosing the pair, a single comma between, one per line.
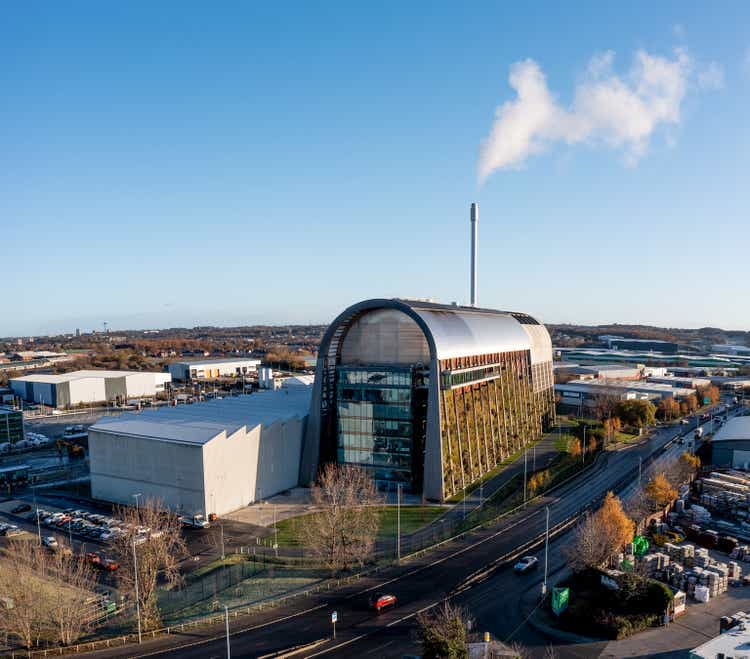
(201,422)
(218,360)
(733,430)
(52,378)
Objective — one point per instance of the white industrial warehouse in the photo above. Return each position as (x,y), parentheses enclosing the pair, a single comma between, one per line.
(212,457)
(209,369)
(88,387)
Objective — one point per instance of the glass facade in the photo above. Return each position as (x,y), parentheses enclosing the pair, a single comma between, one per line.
(378,423)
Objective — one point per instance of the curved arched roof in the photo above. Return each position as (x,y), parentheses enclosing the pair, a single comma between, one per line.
(456,331)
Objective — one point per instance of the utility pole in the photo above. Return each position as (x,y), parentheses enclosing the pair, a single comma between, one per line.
(546,554)
(221,528)
(525,452)
(137,596)
(226,617)
(398,522)
(583,453)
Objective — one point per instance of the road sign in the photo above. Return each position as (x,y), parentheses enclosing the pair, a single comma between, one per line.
(706,400)
(560,598)
(334,616)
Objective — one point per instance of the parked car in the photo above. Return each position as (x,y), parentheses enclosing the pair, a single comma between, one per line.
(12,530)
(21,508)
(525,564)
(50,541)
(381,601)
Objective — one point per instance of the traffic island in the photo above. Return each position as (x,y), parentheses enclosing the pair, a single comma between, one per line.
(600,607)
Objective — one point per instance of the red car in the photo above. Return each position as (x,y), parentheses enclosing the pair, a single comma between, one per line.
(381,601)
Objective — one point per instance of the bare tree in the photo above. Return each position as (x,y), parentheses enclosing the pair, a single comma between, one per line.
(74,607)
(23,613)
(342,533)
(443,631)
(47,594)
(153,541)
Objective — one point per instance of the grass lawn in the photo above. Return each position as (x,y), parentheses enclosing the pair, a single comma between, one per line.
(412,518)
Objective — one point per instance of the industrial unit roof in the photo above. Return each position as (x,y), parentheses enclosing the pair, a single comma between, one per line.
(201,422)
(624,385)
(734,429)
(218,360)
(51,378)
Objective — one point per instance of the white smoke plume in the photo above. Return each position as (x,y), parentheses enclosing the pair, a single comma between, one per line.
(607,109)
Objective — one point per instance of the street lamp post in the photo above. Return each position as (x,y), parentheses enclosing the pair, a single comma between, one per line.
(524,476)
(546,554)
(398,522)
(137,596)
(137,503)
(226,618)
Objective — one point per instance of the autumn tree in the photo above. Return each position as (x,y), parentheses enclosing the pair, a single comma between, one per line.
(600,535)
(342,533)
(636,413)
(443,632)
(152,540)
(604,405)
(683,469)
(668,409)
(688,405)
(612,426)
(659,491)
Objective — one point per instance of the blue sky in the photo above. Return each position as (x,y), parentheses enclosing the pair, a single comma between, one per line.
(176,164)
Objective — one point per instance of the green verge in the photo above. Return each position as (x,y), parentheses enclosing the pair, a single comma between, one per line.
(412,518)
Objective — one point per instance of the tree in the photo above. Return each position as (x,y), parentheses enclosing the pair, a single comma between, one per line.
(23,613)
(636,413)
(618,527)
(158,548)
(659,491)
(682,469)
(46,595)
(604,405)
(600,535)
(668,409)
(442,632)
(612,426)
(342,533)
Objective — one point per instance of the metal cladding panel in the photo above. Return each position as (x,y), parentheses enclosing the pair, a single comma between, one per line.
(463,333)
(86,390)
(541,343)
(385,336)
(140,384)
(114,387)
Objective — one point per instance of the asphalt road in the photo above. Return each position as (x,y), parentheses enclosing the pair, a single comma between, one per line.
(417,584)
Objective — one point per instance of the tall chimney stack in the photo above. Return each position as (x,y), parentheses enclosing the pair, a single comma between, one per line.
(474,223)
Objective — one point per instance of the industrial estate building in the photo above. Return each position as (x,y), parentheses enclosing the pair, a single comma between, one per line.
(730,446)
(11,425)
(88,387)
(428,396)
(211,369)
(213,457)
(586,393)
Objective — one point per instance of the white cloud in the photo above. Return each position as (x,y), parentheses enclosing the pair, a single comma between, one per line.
(618,112)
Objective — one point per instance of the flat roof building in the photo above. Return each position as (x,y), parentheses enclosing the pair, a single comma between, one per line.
(586,393)
(211,369)
(212,457)
(88,387)
(11,425)
(677,381)
(428,396)
(730,446)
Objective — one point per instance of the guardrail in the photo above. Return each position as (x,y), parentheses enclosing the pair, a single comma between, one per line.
(216,619)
